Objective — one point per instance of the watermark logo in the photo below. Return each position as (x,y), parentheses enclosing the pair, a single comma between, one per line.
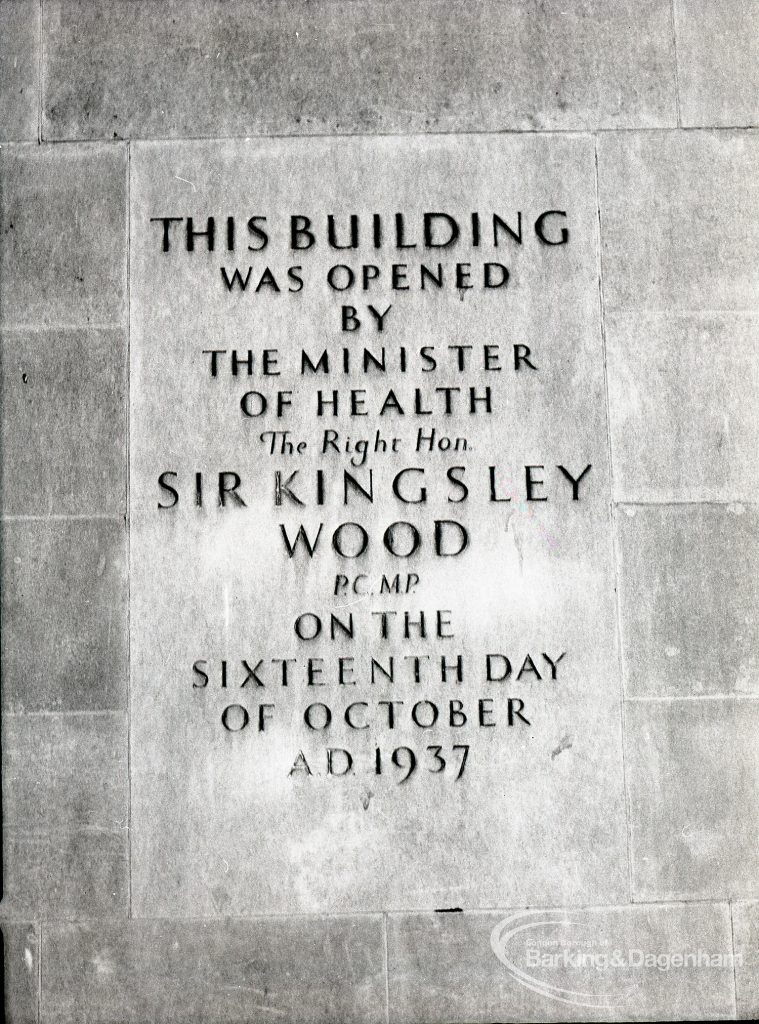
(567,957)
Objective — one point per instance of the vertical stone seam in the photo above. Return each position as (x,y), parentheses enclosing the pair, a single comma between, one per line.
(386,961)
(40,71)
(128,521)
(612,519)
(39,973)
(732,942)
(673,16)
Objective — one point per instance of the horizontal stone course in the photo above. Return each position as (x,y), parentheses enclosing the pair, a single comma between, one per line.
(290,969)
(345,66)
(526,965)
(689,599)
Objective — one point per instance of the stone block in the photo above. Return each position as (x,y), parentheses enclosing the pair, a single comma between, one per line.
(64,422)
(64,614)
(64,875)
(64,235)
(352,66)
(683,394)
(679,220)
(65,772)
(692,770)
(19,70)
(689,594)
(605,963)
(21,977)
(247,971)
(718,76)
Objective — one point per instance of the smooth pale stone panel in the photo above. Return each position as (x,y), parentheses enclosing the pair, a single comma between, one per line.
(59,875)
(560,965)
(65,771)
(19,69)
(683,401)
(21,975)
(64,614)
(718,74)
(63,224)
(746,938)
(689,599)
(354,66)
(679,220)
(305,969)
(693,778)
(64,422)
(538,814)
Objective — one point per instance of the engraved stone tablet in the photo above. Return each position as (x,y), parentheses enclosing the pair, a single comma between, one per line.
(373,654)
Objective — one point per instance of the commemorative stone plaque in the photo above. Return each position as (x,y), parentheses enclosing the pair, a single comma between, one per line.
(373,654)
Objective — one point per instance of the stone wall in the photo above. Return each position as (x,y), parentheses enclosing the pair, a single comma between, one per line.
(664,95)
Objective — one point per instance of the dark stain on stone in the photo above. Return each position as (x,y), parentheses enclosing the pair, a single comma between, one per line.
(564,744)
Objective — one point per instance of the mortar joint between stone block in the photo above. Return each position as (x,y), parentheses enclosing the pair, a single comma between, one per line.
(40,70)
(128,521)
(386,968)
(673,15)
(732,941)
(612,521)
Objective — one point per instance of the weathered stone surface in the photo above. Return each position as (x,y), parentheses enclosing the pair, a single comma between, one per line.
(64,614)
(693,780)
(718,74)
(62,875)
(21,977)
(679,220)
(683,395)
(538,814)
(305,969)
(64,422)
(19,69)
(445,967)
(689,599)
(63,229)
(356,66)
(221,831)
(746,938)
(66,815)
(65,810)
(65,772)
